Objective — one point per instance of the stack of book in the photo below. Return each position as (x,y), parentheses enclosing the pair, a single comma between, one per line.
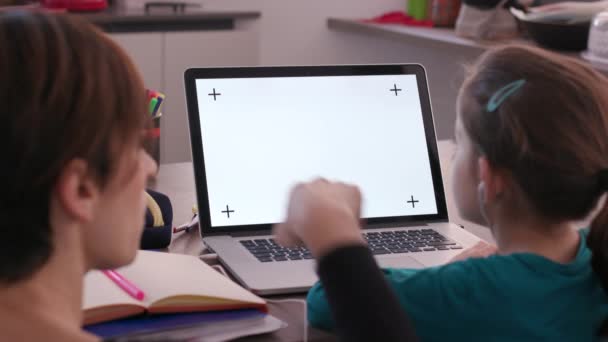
(171,296)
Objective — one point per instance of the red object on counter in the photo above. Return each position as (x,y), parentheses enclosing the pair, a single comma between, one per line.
(76,5)
(400,18)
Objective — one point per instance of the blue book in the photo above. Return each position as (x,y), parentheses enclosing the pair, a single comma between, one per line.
(208,327)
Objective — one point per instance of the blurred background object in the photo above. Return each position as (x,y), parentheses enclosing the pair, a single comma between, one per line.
(566,11)
(418,9)
(155,102)
(487,20)
(75,5)
(7,3)
(597,52)
(445,12)
(598,37)
(558,36)
(560,26)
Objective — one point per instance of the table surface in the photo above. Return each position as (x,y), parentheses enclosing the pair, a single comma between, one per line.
(177,181)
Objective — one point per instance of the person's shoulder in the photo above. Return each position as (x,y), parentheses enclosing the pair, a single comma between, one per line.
(466,278)
(519,272)
(475,274)
(488,277)
(468,267)
(492,266)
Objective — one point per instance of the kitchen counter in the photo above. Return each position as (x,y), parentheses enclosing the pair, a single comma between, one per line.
(437,35)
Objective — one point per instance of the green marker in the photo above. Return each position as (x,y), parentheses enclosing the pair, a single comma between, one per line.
(152,105)
(417,9)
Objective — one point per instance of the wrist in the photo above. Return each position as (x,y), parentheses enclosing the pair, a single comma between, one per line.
(333,234)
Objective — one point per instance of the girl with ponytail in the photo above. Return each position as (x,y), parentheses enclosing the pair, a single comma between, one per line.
(531,160)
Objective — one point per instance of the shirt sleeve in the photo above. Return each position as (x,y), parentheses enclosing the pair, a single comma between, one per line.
(428,295)
(349,275)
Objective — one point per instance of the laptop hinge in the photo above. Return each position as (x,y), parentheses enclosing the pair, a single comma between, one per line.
(369,226)
(403,224)
(394,225)
(251,233)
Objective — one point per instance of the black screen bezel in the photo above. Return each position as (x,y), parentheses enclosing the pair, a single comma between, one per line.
(198,159)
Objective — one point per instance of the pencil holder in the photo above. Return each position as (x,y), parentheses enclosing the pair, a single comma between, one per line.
(155,101)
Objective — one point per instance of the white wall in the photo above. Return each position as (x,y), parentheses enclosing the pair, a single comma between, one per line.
(295,32)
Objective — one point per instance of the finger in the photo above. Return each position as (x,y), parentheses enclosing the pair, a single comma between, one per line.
(298,187)
(284,236)
(490,249)
(467,253)
(352,195)
(320,180)
(277,231)
(296,193)
(485,246)
(358,200)
(480,244)
(351,191)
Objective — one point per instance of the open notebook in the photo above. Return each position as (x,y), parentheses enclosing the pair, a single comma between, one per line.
(171,282)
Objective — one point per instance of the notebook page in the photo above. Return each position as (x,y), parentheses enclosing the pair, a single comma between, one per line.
(161,275)
(99,291)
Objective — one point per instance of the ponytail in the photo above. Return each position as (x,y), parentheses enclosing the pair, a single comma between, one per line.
(597,240)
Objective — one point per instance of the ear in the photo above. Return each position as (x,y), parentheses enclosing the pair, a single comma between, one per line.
(494,180)
(77,191)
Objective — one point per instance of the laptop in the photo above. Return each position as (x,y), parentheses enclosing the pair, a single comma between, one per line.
(257,131)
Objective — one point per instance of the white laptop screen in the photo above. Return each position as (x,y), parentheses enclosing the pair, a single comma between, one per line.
(260,136)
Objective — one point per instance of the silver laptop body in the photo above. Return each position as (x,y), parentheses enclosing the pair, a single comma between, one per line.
(257,131)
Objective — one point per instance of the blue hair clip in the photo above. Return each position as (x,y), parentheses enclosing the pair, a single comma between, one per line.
(503,93)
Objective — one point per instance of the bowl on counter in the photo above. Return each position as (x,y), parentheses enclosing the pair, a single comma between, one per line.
(557,35)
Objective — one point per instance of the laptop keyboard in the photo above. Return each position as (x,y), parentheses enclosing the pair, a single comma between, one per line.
(267,250)
(408,241)
(386,242)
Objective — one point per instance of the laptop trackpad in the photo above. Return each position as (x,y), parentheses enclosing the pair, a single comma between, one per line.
(399,262)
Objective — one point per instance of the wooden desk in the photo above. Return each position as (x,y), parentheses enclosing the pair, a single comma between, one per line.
(177,181)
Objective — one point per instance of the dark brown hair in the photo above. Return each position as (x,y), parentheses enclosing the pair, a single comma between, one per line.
(66,92)
(551,135)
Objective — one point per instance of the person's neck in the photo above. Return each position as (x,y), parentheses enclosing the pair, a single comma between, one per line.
(52,295)
(556,242)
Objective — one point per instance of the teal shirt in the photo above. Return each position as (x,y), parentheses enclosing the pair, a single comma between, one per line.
(518,297)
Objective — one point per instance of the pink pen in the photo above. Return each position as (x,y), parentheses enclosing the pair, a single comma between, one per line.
(124,284)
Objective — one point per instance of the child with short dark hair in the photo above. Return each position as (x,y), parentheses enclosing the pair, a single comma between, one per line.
(73,174)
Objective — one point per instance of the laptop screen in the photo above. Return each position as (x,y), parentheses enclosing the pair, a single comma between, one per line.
(262,135)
